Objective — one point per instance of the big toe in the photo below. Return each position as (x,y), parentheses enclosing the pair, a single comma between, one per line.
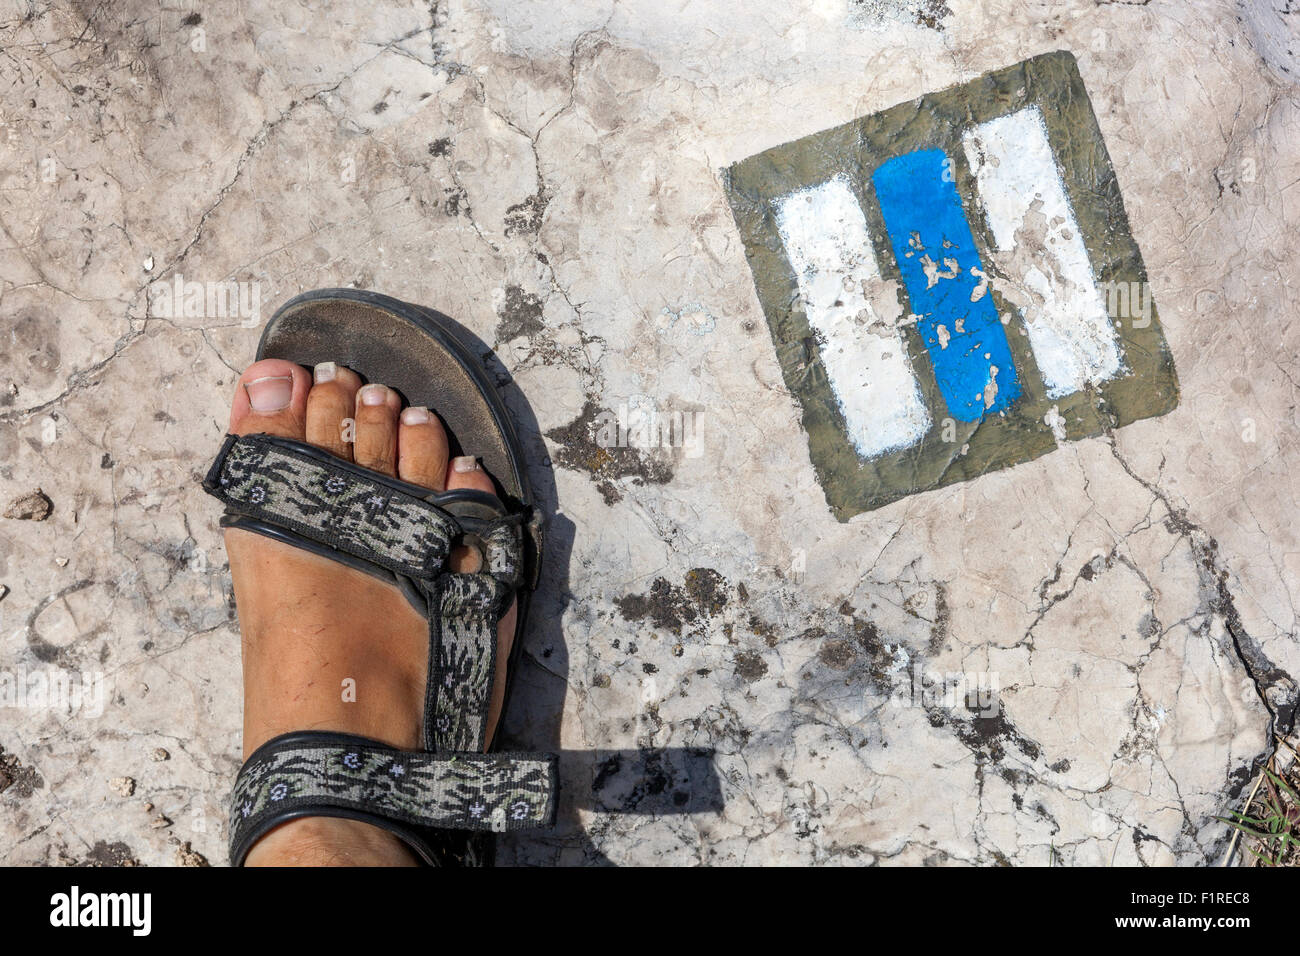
(271,397)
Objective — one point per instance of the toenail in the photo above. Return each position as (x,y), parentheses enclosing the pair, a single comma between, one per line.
(374,394)
(270,393)
(415,415)
(324,372)
(464,463)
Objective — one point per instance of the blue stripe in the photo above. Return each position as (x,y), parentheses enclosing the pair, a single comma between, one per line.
(924,217)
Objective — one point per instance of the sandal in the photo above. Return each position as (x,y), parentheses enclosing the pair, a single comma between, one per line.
(403,534)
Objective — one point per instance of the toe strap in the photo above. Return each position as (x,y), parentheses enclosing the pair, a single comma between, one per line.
(314,773)
(293,485)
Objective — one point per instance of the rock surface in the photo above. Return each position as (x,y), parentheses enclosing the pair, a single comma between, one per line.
(732,675)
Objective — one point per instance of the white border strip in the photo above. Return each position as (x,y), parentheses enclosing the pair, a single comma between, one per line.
(825,237)
(1030,217)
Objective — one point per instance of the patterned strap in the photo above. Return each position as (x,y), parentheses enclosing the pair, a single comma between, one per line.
(465,610)
(463,660)
(308,773)
(334,502)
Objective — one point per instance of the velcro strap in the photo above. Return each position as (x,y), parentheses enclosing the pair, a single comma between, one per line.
(351,509)
(455,791)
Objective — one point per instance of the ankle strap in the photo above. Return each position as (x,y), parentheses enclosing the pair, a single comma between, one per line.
(320,773)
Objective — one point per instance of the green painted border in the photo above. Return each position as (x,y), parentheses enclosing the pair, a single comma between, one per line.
(936,120)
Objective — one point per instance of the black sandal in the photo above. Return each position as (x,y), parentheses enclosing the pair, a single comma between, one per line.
(440,801)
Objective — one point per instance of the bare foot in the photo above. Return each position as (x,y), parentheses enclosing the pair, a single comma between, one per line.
(310,624)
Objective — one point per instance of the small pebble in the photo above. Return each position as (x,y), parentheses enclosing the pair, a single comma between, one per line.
(160,822)
(159,754)
(61,562)
(188,856)
(125,786)
(35,506)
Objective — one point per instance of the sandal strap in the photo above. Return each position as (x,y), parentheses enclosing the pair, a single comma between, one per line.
(465,611)
(333,502)
(315,773)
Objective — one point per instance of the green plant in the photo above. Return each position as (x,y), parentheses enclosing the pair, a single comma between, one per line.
(1271,822)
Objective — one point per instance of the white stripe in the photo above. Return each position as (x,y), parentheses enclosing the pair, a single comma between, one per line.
(1030,217)
(825,237)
